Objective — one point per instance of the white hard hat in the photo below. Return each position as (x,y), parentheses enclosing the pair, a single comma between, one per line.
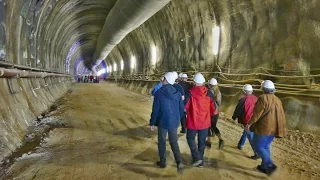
(175,75)
(268,84)
(213,82)
(184,76)
(198,78)
(247,88)
(170,77)
(180,75)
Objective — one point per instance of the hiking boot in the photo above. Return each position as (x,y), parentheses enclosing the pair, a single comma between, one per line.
(196,163)
(221,144)
(161,165)
(255,157)
(272,169)
(265,171)
(183,131)
(208,144)
(180,168)
(239,147)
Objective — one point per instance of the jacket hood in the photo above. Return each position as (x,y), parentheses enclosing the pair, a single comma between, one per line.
(170,91)
(199,91)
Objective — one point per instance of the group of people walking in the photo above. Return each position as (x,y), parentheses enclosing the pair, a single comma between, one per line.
(196,107)
(87,78)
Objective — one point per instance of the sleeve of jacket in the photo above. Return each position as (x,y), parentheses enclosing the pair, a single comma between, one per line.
(213,104)
(257,111)
(187,100)
(156,88)
(155,111)
(219,99)
(181,108)
(238,112)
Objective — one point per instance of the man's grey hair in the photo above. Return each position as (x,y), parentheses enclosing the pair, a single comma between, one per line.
(268,91)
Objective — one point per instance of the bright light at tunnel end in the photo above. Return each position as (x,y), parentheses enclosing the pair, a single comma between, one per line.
(101,71)
(216,39)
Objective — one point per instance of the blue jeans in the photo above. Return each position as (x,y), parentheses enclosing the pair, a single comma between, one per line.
(262,147)
(173,140)
(197,152)
(245,135)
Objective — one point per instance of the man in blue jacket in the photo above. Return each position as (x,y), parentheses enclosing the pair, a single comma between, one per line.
(166,113)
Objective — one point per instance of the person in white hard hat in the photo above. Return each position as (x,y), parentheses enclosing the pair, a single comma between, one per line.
(180,77)
(177,86)
(267,122)
(186,87)
(167,111)
(199,105)
(213,87)
(243,113)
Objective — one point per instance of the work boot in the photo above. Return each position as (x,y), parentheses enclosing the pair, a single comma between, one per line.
(255,157)
(208,144)
(161,165)
(221,144)
(272,169)
(183,131)
(196,163)
(180,168)
(265,171)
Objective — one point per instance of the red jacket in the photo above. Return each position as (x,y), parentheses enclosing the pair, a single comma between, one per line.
(199,104)
(244,109)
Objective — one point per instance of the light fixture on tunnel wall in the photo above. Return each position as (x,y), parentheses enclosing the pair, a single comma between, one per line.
(153,55)
(115,67)
(122,65)
(216,39)
(133,62)
(110,70)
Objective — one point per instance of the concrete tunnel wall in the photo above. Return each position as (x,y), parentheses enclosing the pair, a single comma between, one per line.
(280,36)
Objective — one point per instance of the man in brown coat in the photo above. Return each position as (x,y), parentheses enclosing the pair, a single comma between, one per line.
(267,122)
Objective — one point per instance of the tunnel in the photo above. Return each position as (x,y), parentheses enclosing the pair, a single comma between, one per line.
(52,127)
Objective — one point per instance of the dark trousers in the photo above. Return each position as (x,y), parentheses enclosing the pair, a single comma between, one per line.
(173,140)
(214,129)
(183,123)
(197,152)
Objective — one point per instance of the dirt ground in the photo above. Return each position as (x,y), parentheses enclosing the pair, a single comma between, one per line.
(108,137)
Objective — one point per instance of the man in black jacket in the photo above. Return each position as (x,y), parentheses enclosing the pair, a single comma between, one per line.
(186,87)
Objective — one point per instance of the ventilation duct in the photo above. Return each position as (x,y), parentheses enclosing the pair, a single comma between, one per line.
(125,16)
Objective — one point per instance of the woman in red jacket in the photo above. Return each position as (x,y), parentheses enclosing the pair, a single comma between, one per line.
(199,105)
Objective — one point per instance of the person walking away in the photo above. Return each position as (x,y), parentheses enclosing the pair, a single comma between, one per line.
(186,87)
(199,105)
(166,113)
(157,87)
(243,113)
(267,122)
(213,130)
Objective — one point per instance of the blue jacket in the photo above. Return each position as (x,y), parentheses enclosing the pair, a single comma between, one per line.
(156,88)
(167,108)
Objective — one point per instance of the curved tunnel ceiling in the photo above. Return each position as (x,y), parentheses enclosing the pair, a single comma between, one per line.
(275,35)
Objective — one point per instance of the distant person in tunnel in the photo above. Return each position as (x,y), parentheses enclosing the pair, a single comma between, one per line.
(243,113)
(186,87)
(213,130)
(166,113)
(199,105)
(267,122)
